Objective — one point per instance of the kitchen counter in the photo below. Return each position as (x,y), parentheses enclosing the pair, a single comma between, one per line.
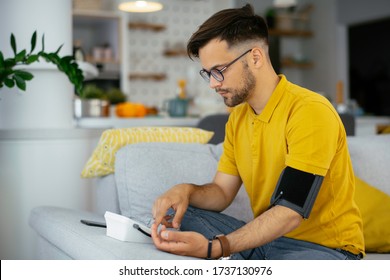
(49,134)
(368,125)
(114,122)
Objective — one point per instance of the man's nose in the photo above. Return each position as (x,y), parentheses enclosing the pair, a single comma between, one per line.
(214,83)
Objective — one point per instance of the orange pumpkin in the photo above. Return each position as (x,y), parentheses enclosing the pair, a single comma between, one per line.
(140,110)
(130,109)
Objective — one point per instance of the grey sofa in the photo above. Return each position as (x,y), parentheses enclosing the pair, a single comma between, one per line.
(142,172)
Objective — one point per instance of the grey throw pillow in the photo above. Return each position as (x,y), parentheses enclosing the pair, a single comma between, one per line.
(144,171)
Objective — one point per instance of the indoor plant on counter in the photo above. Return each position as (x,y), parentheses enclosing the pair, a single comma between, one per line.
(91,102)
(42,103)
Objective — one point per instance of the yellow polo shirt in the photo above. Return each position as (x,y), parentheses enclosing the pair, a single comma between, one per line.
(300,129)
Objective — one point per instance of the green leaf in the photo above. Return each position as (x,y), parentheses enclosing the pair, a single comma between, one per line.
(1,60)
(43,42)
(20,83)
(10,62)
(43,55)
(67,59)
(6,72)
(13,43)
(27,76)
(62,67)
(54,58)
(9,82)
(32,58)
(33,41)
(20,56)
(58,50)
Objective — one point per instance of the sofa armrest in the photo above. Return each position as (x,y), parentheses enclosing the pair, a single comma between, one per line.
(62,228)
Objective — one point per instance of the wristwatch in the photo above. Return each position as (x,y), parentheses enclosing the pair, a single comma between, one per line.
(226,255)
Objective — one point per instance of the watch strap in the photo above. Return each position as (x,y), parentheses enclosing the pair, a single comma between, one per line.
(224,245)
(209,249)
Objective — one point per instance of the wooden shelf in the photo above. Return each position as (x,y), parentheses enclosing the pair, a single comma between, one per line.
(147,76)
(290,33)
(288,63)
(172,53)
(95,14)
(90,59)
(146,26)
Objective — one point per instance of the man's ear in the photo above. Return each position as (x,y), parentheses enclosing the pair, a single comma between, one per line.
(258,57)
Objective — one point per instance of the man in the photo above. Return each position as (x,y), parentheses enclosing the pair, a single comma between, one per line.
(286,144)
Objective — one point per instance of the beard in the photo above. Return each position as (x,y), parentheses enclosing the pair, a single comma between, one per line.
(240,95)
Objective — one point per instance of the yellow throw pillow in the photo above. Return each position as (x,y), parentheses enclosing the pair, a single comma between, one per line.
(374,207)
(103,158)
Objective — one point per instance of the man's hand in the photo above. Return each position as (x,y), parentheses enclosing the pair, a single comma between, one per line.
(177,198)
(180,243)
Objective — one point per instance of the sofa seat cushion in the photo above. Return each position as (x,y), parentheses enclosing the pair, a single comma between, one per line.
(144,171)
(62,229)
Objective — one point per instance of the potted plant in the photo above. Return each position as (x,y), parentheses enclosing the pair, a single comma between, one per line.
(92,102)
(21,99)
(11,72)
(116,96)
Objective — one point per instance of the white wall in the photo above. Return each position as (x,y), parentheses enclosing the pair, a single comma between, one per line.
(40,167)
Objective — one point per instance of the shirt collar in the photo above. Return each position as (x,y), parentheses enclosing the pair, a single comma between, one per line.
(273,101)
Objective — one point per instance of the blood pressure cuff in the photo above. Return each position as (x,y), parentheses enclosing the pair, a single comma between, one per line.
(297,190)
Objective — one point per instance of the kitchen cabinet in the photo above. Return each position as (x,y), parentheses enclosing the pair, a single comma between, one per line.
(98,34)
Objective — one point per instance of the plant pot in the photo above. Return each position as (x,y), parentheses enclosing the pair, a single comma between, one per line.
(91,108)
(46,103)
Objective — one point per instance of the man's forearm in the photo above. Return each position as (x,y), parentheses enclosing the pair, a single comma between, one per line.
(209,196)
(270,225)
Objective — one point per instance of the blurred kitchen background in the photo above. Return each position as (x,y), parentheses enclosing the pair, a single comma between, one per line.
(317,44)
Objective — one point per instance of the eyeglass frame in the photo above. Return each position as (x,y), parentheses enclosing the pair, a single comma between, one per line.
(207,74)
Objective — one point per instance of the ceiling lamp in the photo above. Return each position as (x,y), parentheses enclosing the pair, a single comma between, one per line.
(140,6)
(284,3)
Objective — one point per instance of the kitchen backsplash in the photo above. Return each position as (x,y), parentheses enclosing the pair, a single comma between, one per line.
(146,48)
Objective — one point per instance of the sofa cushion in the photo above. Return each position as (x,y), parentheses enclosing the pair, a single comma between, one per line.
(103,157)
(106,198)
(370,157)
(374,207)
(63,236)
(144,171)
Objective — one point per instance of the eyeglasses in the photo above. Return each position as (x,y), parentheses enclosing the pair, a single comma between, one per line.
(216,73)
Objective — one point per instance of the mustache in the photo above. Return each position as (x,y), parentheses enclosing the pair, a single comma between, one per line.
(218,90)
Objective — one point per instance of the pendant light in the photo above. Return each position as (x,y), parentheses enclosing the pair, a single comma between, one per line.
(284,3)
(140,6)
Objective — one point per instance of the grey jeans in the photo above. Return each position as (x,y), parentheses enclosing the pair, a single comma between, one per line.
(211,223)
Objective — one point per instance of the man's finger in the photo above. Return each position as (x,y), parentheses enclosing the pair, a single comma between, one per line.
(159,211)
(176,222)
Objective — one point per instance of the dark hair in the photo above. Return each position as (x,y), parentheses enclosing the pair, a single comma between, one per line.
(231,25)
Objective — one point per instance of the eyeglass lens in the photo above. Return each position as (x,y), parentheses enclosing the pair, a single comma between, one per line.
(217,74)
